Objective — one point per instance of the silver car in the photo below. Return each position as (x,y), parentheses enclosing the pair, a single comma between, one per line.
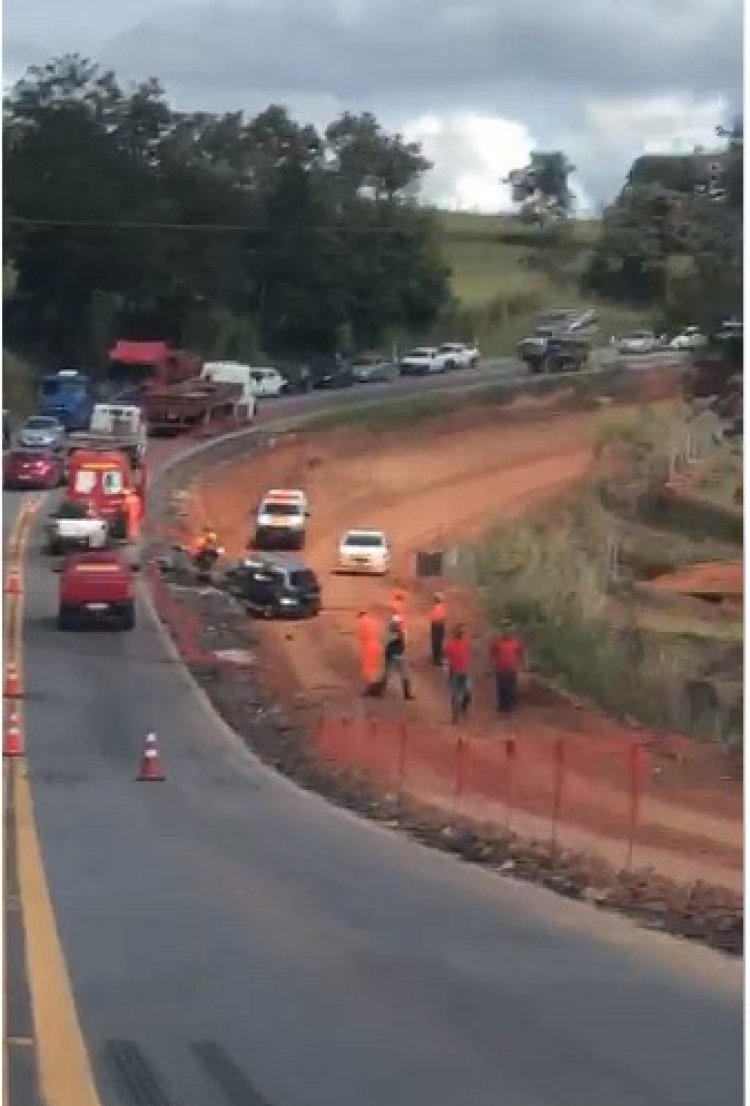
(639,341)
(42,431)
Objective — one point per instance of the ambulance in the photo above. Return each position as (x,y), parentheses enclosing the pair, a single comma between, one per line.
(281,519)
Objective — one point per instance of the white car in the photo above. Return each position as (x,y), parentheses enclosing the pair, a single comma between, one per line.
(72,526)
(689,338)
(423,360)
(366,551)
(639,341)
(458,355)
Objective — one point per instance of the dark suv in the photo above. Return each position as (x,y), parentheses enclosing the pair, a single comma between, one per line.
(275,587)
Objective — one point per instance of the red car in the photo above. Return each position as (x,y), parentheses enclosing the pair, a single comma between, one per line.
(33,468)
(96,588)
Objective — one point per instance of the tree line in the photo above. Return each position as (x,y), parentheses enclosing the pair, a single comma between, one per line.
(126,217)
(671,241)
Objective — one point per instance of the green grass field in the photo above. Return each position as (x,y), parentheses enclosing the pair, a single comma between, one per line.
(502,276)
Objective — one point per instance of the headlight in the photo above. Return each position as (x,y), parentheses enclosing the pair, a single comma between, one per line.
(287,602)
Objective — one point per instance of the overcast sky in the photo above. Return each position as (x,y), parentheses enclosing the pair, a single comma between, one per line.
(480,82)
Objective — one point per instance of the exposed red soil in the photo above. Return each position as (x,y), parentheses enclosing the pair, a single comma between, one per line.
(444,481)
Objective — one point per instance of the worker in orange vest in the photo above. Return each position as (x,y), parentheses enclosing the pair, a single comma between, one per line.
(438,616)
(370,651)
(133,509)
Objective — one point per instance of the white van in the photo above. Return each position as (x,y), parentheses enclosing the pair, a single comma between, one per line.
(255,382)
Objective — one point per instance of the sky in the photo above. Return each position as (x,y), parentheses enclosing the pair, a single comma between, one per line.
(480,83)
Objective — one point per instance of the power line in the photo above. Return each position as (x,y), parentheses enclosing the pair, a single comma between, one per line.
(226,228)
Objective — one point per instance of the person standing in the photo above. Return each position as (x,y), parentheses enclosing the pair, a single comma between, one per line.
(395,656)
(506,658)
(438,616)
(458,659)
(370,652)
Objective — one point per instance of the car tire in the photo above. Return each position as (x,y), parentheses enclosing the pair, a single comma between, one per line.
(54,548)
(118,528)
(127,619)
(66,619)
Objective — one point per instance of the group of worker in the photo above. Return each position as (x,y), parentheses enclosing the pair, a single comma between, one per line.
(384,655)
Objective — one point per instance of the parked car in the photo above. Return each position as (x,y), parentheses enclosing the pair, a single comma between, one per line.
(689,338)
(364,550)
(275,587)
(422,361)
(637,342)
(459,355)
(42,432)
(372,369)
(33,468)
(338,376)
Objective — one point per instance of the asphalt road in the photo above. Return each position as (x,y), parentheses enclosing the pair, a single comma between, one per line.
(254,946)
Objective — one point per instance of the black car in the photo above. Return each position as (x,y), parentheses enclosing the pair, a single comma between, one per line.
(275,587)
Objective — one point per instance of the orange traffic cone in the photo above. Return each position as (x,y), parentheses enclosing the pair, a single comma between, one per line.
(13,745)
(151,769)
(12,681)
(13,586)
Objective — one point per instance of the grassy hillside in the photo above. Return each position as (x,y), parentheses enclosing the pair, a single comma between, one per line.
(503,272)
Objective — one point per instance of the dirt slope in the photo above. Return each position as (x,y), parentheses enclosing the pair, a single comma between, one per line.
(443,482)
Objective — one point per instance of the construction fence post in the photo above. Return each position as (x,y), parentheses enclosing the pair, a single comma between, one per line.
(403,741)
(636,766)
(511,753)
(459,778)
(559,780)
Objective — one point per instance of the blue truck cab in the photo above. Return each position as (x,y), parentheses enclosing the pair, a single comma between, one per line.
(68,395)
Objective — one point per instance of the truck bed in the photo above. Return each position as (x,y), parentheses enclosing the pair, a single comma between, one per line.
(175,407)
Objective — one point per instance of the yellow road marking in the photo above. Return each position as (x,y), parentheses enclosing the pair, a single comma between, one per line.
(65,1074)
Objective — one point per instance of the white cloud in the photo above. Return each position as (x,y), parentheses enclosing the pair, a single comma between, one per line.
(471,155)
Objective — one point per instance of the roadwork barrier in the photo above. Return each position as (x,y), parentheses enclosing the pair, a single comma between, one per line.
(594,797)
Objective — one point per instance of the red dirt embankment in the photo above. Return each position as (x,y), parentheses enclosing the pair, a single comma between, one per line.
(446,480)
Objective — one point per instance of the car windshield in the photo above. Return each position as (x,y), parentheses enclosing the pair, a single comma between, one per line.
(637,336)
(62,387)
(86,481)
(281,509)
(364,541)
(41,423)
(420,351)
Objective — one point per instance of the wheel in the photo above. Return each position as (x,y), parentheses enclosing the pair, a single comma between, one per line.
(127,619)
(65,618)
(118,528)
(54,548)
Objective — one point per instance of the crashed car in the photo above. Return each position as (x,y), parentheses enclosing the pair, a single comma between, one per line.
(96,588)
(75,525)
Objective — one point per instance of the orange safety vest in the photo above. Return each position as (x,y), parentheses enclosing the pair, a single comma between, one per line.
(133,507)
(371,660)
(367,628)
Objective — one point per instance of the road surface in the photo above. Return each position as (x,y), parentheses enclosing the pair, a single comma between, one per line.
(232,941)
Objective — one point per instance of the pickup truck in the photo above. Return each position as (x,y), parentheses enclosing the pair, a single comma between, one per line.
(96,588)
(75,525)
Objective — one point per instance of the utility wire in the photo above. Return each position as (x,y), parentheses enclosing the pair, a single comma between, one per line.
(233,228)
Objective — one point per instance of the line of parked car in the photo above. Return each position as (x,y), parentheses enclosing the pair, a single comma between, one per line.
(646,341)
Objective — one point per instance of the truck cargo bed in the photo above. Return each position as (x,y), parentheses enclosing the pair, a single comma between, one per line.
(176,407)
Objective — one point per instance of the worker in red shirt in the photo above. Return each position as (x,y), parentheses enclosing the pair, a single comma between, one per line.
(506,658)
(458,660)
(438,616)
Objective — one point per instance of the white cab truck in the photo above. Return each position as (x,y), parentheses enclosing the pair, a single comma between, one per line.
(114,426)
(281,519)
(459,355)
(256,382)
